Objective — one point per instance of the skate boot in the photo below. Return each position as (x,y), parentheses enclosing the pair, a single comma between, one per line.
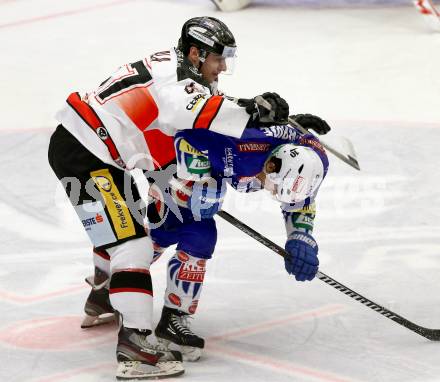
(98,308)
(138,359)
(173,329)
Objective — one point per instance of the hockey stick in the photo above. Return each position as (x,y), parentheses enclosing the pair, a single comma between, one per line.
(431,334)
(349,157)
(427,9)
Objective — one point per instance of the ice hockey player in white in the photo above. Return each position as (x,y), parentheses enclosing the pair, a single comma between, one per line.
(127,123)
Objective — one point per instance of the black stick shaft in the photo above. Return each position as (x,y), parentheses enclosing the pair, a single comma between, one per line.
(431,334)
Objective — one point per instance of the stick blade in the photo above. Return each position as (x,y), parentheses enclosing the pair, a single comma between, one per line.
(350,152)
(342,148)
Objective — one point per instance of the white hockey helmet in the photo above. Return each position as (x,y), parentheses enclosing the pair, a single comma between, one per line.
(298,172)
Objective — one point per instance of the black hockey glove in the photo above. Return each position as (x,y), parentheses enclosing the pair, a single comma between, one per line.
(310,121)
(268,109)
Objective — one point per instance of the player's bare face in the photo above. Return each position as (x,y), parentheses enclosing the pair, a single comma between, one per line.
(269,167)
(214,64)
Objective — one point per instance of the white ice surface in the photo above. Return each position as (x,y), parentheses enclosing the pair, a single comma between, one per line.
(372,72)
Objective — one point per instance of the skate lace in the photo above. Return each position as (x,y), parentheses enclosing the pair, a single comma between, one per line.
(182,324)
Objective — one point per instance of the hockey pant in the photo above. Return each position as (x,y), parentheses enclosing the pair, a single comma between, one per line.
(195,241)
(110,214)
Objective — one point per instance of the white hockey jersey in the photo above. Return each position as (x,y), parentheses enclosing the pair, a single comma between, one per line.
(130,120)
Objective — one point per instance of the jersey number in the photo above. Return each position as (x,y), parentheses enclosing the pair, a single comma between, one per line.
(131,76)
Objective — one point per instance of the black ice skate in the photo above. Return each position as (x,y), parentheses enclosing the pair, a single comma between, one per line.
(173,328)
(138,359)
(98,308)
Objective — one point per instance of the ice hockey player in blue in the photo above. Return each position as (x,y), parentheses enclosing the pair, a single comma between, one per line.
(280,159)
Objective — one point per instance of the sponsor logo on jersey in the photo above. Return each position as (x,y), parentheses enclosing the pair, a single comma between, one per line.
(313,143)
(191,272)
(174,299)
(302,221)
(116,206)
(228,161)
(104,183)
(197,165)
(282,132)
(196,162)
(185,147)
(195,102)
(92,221)
(253,147)
(102,133)
(95,223)
(194,87)
(190,88)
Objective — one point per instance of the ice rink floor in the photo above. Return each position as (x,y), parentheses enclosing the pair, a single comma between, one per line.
(371,72)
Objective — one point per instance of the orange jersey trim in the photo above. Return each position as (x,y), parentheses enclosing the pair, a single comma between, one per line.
(138,104)
(209,111)
(161,147)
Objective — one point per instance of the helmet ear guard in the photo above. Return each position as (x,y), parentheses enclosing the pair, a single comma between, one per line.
(299,175)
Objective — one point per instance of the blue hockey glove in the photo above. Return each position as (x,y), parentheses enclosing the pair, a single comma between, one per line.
(302,256)
(206,199)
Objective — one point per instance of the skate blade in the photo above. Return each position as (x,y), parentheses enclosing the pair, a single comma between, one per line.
(142,371)
(91,321)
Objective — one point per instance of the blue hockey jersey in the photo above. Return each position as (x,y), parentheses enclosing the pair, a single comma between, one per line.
(203,154)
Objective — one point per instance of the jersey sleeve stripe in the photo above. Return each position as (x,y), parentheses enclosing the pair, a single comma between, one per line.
(89,116)
(208,113)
